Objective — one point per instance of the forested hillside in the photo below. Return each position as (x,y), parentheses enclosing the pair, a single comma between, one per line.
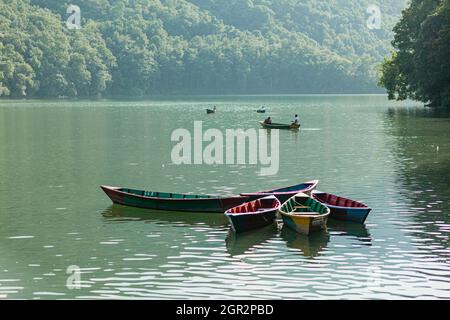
(144,47)
(420,66)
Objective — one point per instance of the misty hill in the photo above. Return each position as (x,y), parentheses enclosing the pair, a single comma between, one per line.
(142,47)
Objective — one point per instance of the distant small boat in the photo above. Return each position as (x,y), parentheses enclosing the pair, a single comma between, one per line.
(280,126)
(284,193)
(253,215)
(304,214)
(343,208)
(172,201)
(209,111)
(261,110)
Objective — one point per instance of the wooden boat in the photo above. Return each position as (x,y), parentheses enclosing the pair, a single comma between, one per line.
(209,111)
(196,203)
(343,208)
(283,194)
(279,126)
(253,215)
(304,214)
(172,201)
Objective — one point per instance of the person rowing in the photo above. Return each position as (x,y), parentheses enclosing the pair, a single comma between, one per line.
(268,120)
(296,120)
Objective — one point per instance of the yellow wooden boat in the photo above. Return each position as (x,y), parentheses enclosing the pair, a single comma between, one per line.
(304,214)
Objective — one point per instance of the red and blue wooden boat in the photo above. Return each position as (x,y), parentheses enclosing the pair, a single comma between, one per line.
(303,214)
(172,201)
(253,215)
(283,194)
(343,208)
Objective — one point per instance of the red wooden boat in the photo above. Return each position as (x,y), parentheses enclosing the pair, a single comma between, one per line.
(283,194)
(172,201)
(253,215)
(343,208)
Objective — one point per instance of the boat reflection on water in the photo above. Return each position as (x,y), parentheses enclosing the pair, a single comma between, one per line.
(118,213)
(311,246)
(240,243)
(350,229)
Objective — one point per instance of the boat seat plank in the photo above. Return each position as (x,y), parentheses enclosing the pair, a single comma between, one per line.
(309,213)
(301,207)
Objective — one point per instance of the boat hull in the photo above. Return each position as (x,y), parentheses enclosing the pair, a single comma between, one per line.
(283,197)
(358,215)
(305,225)
(248,222)
(284,194)
(343,209)
(218,205)
(254,214)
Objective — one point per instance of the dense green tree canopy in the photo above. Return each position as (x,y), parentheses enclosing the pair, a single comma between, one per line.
(142,47)
(420,66)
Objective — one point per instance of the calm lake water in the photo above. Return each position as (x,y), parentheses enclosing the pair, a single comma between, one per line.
(54,155)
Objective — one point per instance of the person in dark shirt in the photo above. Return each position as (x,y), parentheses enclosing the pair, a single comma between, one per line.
(268,120)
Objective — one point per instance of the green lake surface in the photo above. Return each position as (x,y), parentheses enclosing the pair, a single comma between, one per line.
(54,155)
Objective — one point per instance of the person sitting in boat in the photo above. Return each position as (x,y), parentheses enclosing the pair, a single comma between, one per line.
(296,120)
(268,120)
(215,109)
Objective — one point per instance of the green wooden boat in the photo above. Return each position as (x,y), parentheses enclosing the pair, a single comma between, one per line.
(280,126)
(304,214)
(172,201)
